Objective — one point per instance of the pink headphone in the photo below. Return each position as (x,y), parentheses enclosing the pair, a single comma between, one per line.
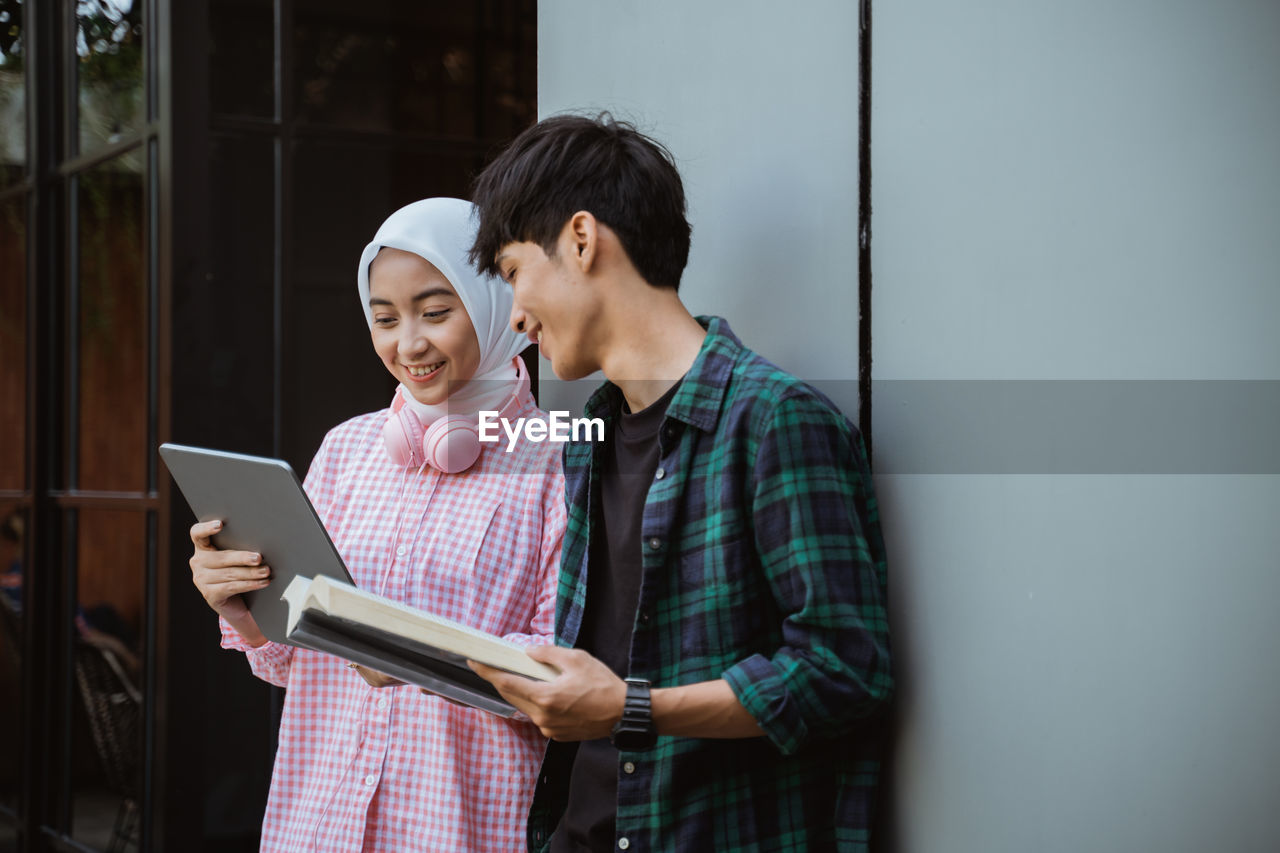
(452,443)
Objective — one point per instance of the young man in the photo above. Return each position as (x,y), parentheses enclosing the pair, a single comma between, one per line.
(721,611)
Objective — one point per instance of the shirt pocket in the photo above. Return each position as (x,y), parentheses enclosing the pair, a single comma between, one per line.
(723,601)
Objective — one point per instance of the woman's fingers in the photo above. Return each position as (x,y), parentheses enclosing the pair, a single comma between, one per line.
(221,576)
(226,559)
(210,556)
(202,531)
(375,678)
(235,573)
(204,560)
(220,585)
(227,590)
(426,692)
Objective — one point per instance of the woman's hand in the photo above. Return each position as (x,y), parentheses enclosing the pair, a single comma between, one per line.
(375,678)
(221,577)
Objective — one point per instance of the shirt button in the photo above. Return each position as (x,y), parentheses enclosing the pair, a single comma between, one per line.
(659,474)
(628,768)
(382,703)
(400,551)
(623,843)
(655,543)
(369,780)
(644,617)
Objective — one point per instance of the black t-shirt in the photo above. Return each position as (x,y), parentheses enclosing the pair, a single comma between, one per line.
(627,466)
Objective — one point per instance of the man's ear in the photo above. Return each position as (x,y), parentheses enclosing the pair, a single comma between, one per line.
(583,235)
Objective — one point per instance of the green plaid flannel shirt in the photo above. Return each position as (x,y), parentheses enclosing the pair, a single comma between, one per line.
(763,565)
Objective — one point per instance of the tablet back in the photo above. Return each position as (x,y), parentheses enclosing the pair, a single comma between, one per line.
(263,508)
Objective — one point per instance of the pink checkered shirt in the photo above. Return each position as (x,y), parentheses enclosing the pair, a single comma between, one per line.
(391,769)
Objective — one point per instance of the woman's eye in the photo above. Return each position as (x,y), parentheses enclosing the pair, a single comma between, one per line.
(383,321)
(435,315)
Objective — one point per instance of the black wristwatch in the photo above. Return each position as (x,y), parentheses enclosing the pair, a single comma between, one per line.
(635,731)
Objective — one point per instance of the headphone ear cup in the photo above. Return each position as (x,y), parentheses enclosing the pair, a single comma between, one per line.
(402,434)
(452,444)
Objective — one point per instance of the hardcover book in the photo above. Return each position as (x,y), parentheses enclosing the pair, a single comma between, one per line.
(412,645)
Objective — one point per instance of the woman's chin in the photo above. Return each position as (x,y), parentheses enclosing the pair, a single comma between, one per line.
(428,395)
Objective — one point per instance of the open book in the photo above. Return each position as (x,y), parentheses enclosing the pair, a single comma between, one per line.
(411,645)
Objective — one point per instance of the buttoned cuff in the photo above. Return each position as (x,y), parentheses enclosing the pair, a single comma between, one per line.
(763,692)
(231,639)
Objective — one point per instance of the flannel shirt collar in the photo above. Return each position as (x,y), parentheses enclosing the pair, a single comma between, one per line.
(697,401)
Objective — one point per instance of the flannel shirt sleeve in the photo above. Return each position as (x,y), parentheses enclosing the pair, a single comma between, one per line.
(818,541)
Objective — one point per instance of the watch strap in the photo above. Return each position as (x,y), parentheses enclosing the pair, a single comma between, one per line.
(635,731)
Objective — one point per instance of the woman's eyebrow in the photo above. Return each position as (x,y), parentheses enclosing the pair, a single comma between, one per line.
(426,294)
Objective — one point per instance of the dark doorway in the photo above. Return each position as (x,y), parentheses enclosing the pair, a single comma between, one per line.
(185,187)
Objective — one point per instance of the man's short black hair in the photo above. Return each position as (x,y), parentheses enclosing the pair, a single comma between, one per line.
(568,163)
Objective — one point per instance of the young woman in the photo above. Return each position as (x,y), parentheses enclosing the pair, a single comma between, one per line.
(467,531)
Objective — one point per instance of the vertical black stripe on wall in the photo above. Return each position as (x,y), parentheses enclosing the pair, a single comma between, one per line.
(864,224)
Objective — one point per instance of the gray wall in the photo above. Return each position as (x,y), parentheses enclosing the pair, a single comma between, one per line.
(758,103)
(1084,191)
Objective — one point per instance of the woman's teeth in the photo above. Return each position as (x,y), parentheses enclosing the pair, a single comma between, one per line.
(423,371)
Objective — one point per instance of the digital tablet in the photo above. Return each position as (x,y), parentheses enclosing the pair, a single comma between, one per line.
(263,508)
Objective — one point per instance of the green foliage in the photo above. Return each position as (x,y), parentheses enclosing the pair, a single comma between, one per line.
(11,35)
(109,42)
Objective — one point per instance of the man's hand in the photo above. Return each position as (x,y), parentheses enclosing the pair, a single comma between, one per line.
(582,703)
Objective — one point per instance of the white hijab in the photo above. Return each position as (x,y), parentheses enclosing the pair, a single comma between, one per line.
(441,230)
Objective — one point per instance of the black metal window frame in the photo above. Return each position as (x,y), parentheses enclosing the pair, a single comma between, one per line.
(173,142)
(50,495)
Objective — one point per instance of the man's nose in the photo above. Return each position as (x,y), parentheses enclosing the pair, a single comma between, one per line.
(517,319)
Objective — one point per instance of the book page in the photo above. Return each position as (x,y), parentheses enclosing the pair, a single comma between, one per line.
(341,600)
(295,595)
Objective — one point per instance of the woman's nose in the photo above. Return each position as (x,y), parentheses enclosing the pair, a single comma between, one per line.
(412,340)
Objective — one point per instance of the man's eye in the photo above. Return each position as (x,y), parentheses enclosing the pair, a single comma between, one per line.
(511,276)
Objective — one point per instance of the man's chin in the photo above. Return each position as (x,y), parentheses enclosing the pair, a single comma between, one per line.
(568,372)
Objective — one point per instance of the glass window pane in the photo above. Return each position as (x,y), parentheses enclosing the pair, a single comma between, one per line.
(107,752)
(13,341)
(434,67)
(109,44)
(12,529)
(13,97)
(242,57)
(112,330)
